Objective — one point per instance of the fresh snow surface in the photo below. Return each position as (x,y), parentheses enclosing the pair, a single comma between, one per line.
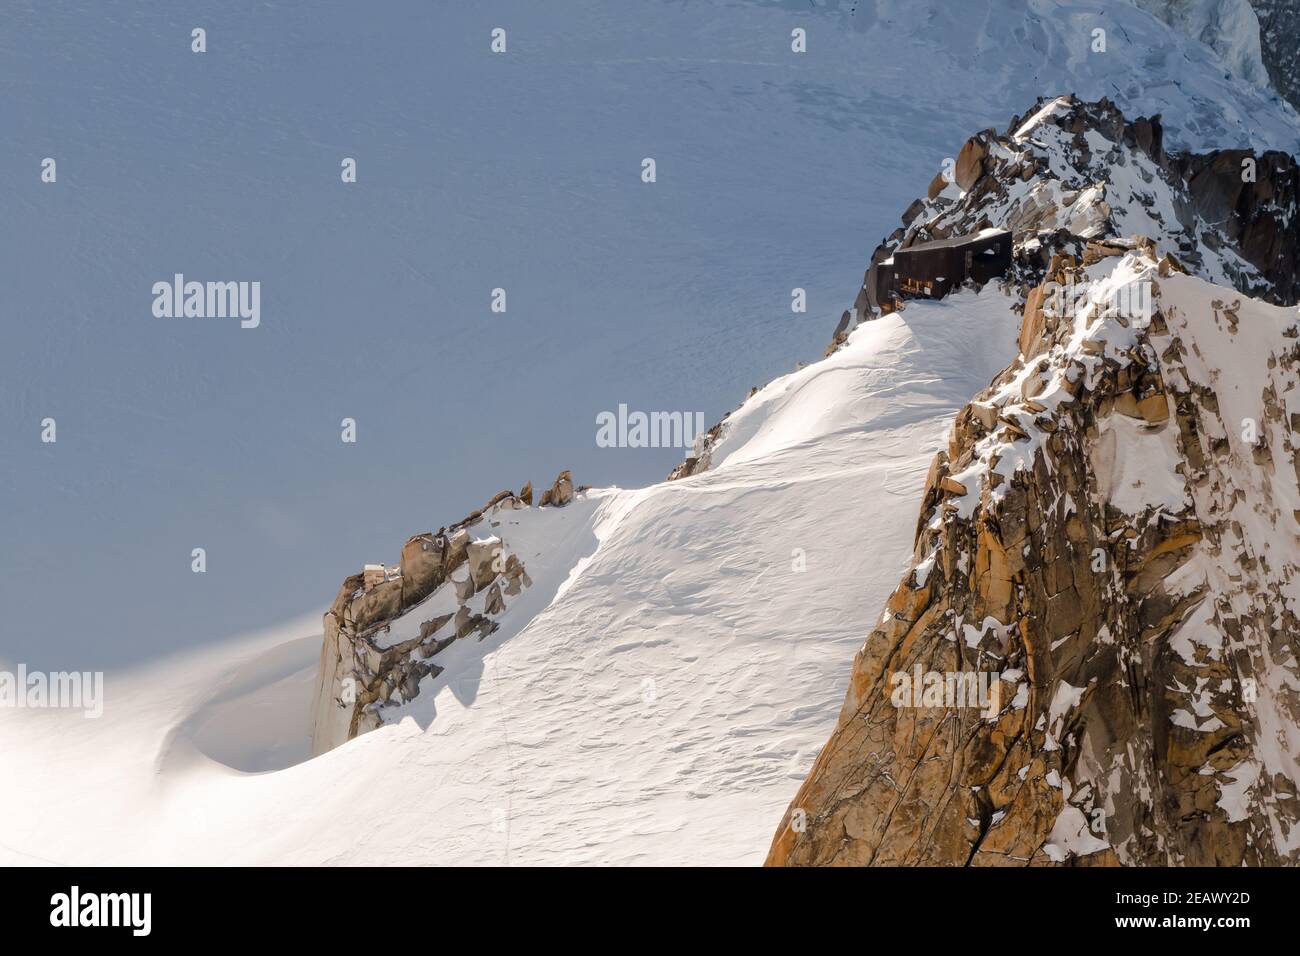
(659,704)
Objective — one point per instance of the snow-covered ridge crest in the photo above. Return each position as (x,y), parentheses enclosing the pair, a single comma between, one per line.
(1077,179)
(1114,528)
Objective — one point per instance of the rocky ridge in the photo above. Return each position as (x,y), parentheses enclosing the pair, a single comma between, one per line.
(1112,535)
(449,585)
(1071,174)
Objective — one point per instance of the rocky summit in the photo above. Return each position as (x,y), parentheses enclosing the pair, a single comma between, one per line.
(1070,172)
(1111,538)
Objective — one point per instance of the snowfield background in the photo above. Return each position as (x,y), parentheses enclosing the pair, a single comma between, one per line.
(665,687)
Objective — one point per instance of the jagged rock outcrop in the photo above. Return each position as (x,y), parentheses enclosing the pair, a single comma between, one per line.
(1113,537)
(380,638)
(701,457)
(560,493)
(1095,657)
(701,453)
(1073,171)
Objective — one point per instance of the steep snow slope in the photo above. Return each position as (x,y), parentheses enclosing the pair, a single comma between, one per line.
(660,709)
(1076,179)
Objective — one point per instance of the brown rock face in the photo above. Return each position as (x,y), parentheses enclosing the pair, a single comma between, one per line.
(1093,660)
(970,161)
(559,494)
(363,668)
(1249,196)
(1032,328)
(937,186)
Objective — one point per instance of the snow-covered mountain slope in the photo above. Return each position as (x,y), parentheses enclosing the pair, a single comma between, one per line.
(1255,39)
(476,171)
(659,706)
(959,54)
(1109,546)
(1071,178)
(658,690)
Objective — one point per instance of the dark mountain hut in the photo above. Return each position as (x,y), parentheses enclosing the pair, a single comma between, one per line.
(930,270)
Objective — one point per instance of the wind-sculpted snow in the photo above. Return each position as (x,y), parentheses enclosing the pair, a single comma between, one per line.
(664,685)
(983,57)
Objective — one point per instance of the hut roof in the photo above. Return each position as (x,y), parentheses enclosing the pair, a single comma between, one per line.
(953,242)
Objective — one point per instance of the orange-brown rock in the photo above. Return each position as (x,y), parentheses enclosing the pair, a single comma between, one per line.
(1128,635)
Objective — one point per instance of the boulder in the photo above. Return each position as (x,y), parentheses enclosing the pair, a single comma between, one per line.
(970,162)
(484,556)
(421,567)
(560,493)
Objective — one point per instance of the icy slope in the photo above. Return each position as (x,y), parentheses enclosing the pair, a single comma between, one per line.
(1279,24)
(996,51)
(1229,27)
(659,709)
